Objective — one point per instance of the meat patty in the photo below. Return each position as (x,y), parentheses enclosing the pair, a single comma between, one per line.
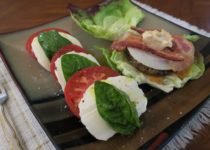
(139,66)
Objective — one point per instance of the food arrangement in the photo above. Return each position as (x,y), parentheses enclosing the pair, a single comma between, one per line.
(43,44)
(94,93)
(108,20)
(105,101)
(68,60)
(153,56)
(157,58)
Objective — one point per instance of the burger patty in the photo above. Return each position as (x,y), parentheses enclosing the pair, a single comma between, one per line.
(141,67)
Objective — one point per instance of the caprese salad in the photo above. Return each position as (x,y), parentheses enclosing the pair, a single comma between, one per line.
(105,102)
(43,44)
(68,60)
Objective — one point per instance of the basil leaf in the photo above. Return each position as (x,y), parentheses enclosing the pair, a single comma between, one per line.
(51,42)
(115,108)
(72,63)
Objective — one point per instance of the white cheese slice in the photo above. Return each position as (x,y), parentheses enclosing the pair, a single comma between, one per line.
(41,57)
(40,54)
(70,38)
(59,71)
(148,59)
(88,109)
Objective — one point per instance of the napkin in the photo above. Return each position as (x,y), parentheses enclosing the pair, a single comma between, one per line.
(30,133)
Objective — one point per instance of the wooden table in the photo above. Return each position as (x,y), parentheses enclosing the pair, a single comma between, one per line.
(24,14)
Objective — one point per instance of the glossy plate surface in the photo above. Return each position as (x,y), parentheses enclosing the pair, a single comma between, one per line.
(46,98)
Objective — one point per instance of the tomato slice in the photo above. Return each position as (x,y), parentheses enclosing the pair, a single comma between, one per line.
(62,51)
(31,38)
(80,81)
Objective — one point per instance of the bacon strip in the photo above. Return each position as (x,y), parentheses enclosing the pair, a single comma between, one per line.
(139,30)
(187,50)
(133,40)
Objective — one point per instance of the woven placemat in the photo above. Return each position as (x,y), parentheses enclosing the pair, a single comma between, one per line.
(29,131)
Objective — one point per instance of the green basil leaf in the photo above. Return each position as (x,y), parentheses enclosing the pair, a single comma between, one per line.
(115,108)
(72,63)
(51,42)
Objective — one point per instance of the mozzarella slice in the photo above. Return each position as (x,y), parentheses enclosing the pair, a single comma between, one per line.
(59,71)
(130,87)
(148,59)
(42,59)
(72,39)
(88,110)
(91,118)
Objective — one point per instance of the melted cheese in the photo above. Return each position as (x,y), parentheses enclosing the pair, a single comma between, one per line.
(183,74)
(156,79)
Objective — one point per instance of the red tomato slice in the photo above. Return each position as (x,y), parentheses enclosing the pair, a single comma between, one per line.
(63,50)
(31,38)
(80,81)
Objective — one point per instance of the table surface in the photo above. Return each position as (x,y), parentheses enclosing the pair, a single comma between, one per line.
(24,14)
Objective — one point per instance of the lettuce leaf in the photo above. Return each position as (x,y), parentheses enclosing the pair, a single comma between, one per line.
(106,53)
(166,83)
(191,38)
(109,20)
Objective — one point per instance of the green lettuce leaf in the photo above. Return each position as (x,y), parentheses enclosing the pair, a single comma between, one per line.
(191,38)
(166,83)
(108,21)
(106,53)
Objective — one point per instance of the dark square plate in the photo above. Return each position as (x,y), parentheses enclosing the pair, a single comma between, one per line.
(46,98)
